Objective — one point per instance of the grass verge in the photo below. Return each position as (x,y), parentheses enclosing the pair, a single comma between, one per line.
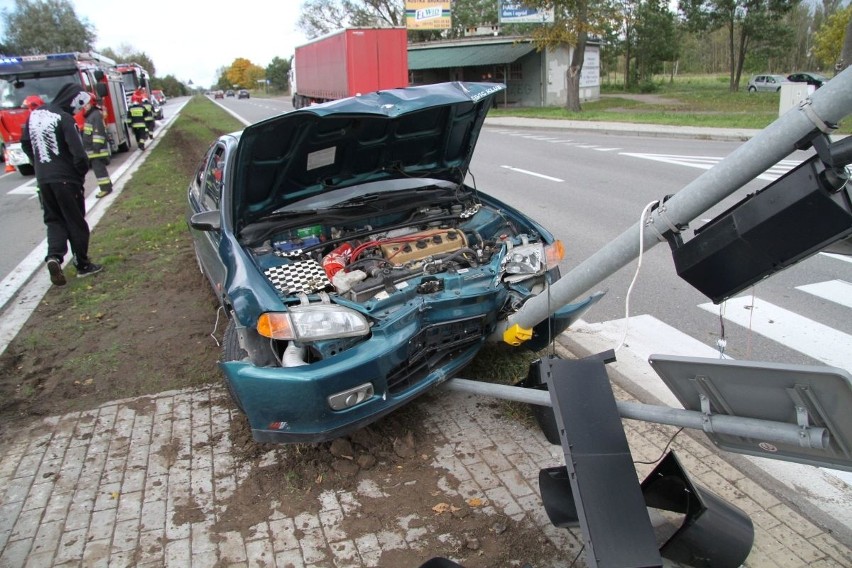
(141,326)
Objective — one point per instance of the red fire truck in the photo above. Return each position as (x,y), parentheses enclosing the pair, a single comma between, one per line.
(43,75)
(137,80)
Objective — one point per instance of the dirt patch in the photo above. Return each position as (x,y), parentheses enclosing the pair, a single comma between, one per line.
(391,480)
(650,99)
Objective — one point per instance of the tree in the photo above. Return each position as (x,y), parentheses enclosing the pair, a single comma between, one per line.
(128,54)
(749,23)
(575,21)
(655,38)
(46,26)
(170,85)
(829,40)
(244,73)
(278,73)
(846,53)
(319,17)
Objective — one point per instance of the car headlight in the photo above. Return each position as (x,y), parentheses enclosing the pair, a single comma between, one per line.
(313,323)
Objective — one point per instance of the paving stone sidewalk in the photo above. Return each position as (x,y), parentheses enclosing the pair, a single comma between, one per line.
(104,488)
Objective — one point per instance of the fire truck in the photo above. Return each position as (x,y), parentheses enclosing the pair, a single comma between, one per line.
(44,75)
(137,80)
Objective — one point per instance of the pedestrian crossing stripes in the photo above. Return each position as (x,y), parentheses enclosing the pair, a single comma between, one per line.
(707,162)
(836,291)
(790,329)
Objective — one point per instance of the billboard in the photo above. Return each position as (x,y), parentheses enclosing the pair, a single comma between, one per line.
(517,13)
(427,15)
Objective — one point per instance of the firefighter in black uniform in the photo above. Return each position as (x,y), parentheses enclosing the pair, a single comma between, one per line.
(95,142)
(137,117)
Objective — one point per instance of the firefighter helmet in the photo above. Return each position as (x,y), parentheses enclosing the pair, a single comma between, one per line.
(32,102)
(136,98)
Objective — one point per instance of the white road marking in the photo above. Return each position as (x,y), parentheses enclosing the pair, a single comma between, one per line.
(607,149)
(28,189)
(707,162)
(843,257)
(646,336)
(532,173)
(837,291)
(818,341)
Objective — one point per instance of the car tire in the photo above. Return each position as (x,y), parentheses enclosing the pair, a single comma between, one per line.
(752,89)
(231,351)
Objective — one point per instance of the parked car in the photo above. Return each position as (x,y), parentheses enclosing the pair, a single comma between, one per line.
(243,94)
(159,96)
(219,94)
(771,83)
(356,267)
(814,79)
(156,108)
(229,93)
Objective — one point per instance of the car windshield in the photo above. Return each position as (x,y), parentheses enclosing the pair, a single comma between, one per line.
(14,89)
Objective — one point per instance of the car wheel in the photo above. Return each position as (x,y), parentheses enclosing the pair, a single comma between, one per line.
(231,351)
(752,89)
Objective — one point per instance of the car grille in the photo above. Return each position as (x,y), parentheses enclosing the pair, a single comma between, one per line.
(432,347)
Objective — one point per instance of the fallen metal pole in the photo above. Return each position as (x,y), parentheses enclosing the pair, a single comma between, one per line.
(829,104)
(764,430)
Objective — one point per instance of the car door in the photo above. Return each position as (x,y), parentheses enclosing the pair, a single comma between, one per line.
(205,194)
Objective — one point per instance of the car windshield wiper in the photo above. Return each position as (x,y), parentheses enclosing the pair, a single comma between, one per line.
(356,201)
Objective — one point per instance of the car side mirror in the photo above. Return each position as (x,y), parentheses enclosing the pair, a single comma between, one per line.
(206,221)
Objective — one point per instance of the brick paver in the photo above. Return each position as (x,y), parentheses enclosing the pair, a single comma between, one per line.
(101,488)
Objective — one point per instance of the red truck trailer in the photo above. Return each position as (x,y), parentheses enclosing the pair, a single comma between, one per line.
(349,62)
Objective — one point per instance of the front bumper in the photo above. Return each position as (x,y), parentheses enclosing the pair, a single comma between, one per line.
(401,362)
(291,405)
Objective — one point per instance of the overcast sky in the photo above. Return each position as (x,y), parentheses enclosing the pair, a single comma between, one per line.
(193,39)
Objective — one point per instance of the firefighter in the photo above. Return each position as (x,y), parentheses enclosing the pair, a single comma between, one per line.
(95,142)
(32,102)
(136,116)
(150,121)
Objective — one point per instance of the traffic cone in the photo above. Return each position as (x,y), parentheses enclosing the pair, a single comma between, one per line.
(9,167)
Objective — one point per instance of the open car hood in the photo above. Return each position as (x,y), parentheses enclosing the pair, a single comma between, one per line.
(427,131)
